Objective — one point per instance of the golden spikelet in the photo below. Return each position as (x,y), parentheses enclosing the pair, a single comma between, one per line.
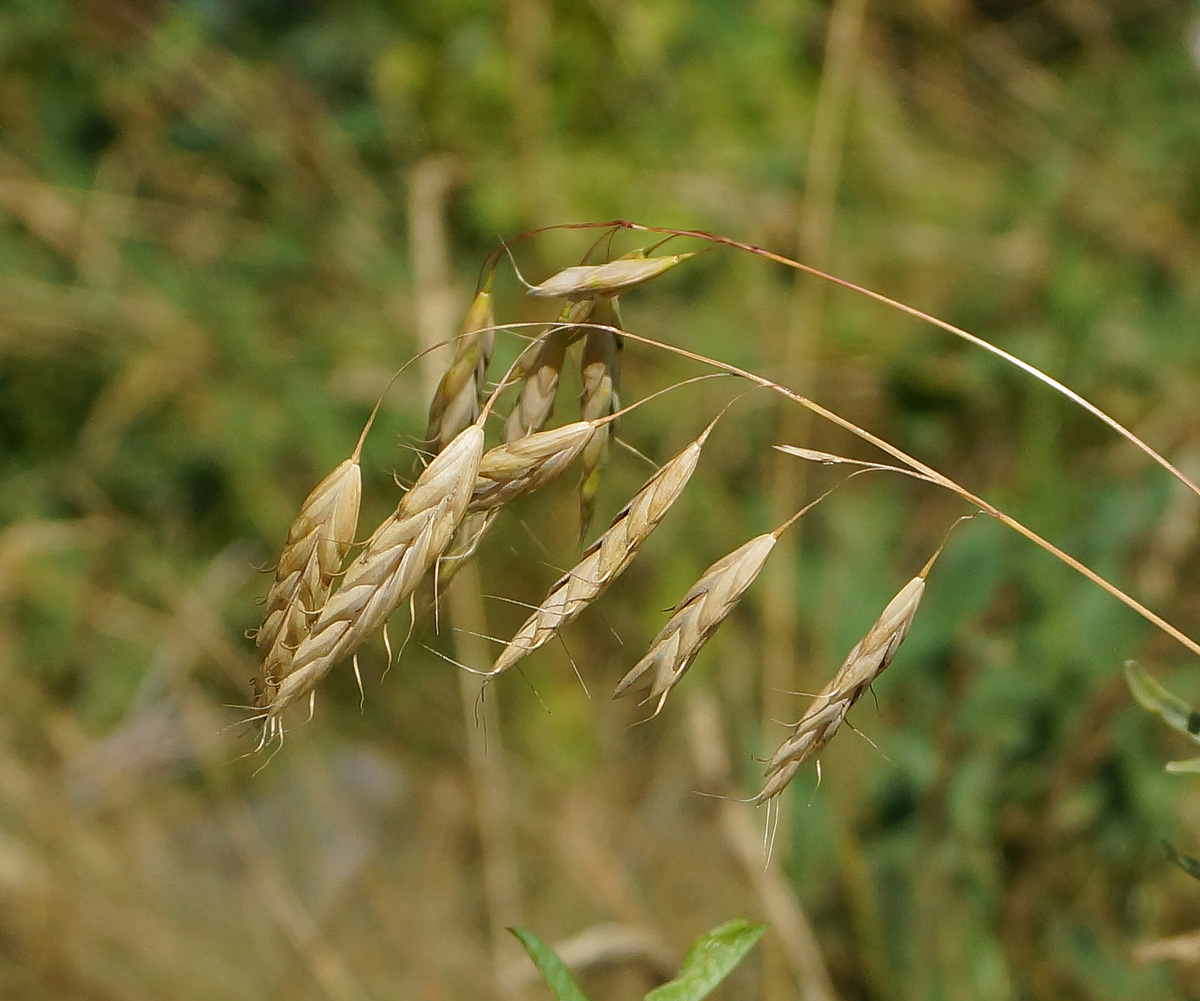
(316,546)
(389,568)
(456,402)
(697,617)
(606,558)
(509,471)
(598,281)
(869,658)
(600,369)
(540,366)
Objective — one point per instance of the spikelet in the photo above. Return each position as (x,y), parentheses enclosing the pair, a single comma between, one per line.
(457,399)
(389,568)
(317,543)
(606,558)
(697,617)
(522,466)
(598,281)
(541,367)
(861,667)
(600,368)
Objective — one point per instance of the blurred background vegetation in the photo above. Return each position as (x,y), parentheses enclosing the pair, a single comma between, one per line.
(224,224)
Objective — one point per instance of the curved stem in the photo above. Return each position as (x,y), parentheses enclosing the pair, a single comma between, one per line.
(950,328)
(933,476)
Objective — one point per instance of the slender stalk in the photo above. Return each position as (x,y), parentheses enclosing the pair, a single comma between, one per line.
(928,472)
(950,328)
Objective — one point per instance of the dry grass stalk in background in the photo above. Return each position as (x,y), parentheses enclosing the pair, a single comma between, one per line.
(389,568)
(607,557)
(869,658)
(456,402)
(600,371)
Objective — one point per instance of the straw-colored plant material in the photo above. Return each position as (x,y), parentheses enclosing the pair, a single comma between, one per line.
(458,397)
(540,366)
(317,543)
(600,369)
(606,558)
(858,672)
(389,568)
(697,617)
(597,281)
(509,471)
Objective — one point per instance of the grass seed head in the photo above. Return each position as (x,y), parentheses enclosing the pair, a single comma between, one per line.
(697,617)
(869,658)
(509,471)
(606,558)
(457,399)
(541,368)
(598,281)
(317,543)
(389,568)
(600,370)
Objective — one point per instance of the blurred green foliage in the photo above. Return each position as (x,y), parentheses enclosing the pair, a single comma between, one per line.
(210,222)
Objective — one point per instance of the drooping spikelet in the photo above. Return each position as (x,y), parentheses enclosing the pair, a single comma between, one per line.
(540,366)
(391,565)
(600,368)
(459,394)
(316,546)
(597,281)
(606,558)
(697,617)
(861,667)
(509,471)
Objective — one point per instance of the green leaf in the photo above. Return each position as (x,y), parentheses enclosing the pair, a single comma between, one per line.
(1152,696)
(553,970)
(709,961)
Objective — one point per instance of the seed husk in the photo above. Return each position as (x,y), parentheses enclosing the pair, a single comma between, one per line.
(869,658)
(541,368)
(597,281)
(459,394)
(606,558)
(600,369)
(391,565)
(696,618)
(509,471)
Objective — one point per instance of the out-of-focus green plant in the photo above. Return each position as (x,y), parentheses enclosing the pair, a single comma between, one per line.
(710,960)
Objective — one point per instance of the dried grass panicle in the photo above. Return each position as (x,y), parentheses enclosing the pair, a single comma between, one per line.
(697,617)
(460,392)
(606,558)
(600,370)
(861,667)
(540,366)
(316,546)
(597,281)
(389,568)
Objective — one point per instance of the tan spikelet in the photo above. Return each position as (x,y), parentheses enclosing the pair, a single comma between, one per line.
(600,368)
(522,466)
(861,667)
(541,368)
(697,617)
(391,565)
(606,558)
(597,281)
(457,399)
(316,546)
